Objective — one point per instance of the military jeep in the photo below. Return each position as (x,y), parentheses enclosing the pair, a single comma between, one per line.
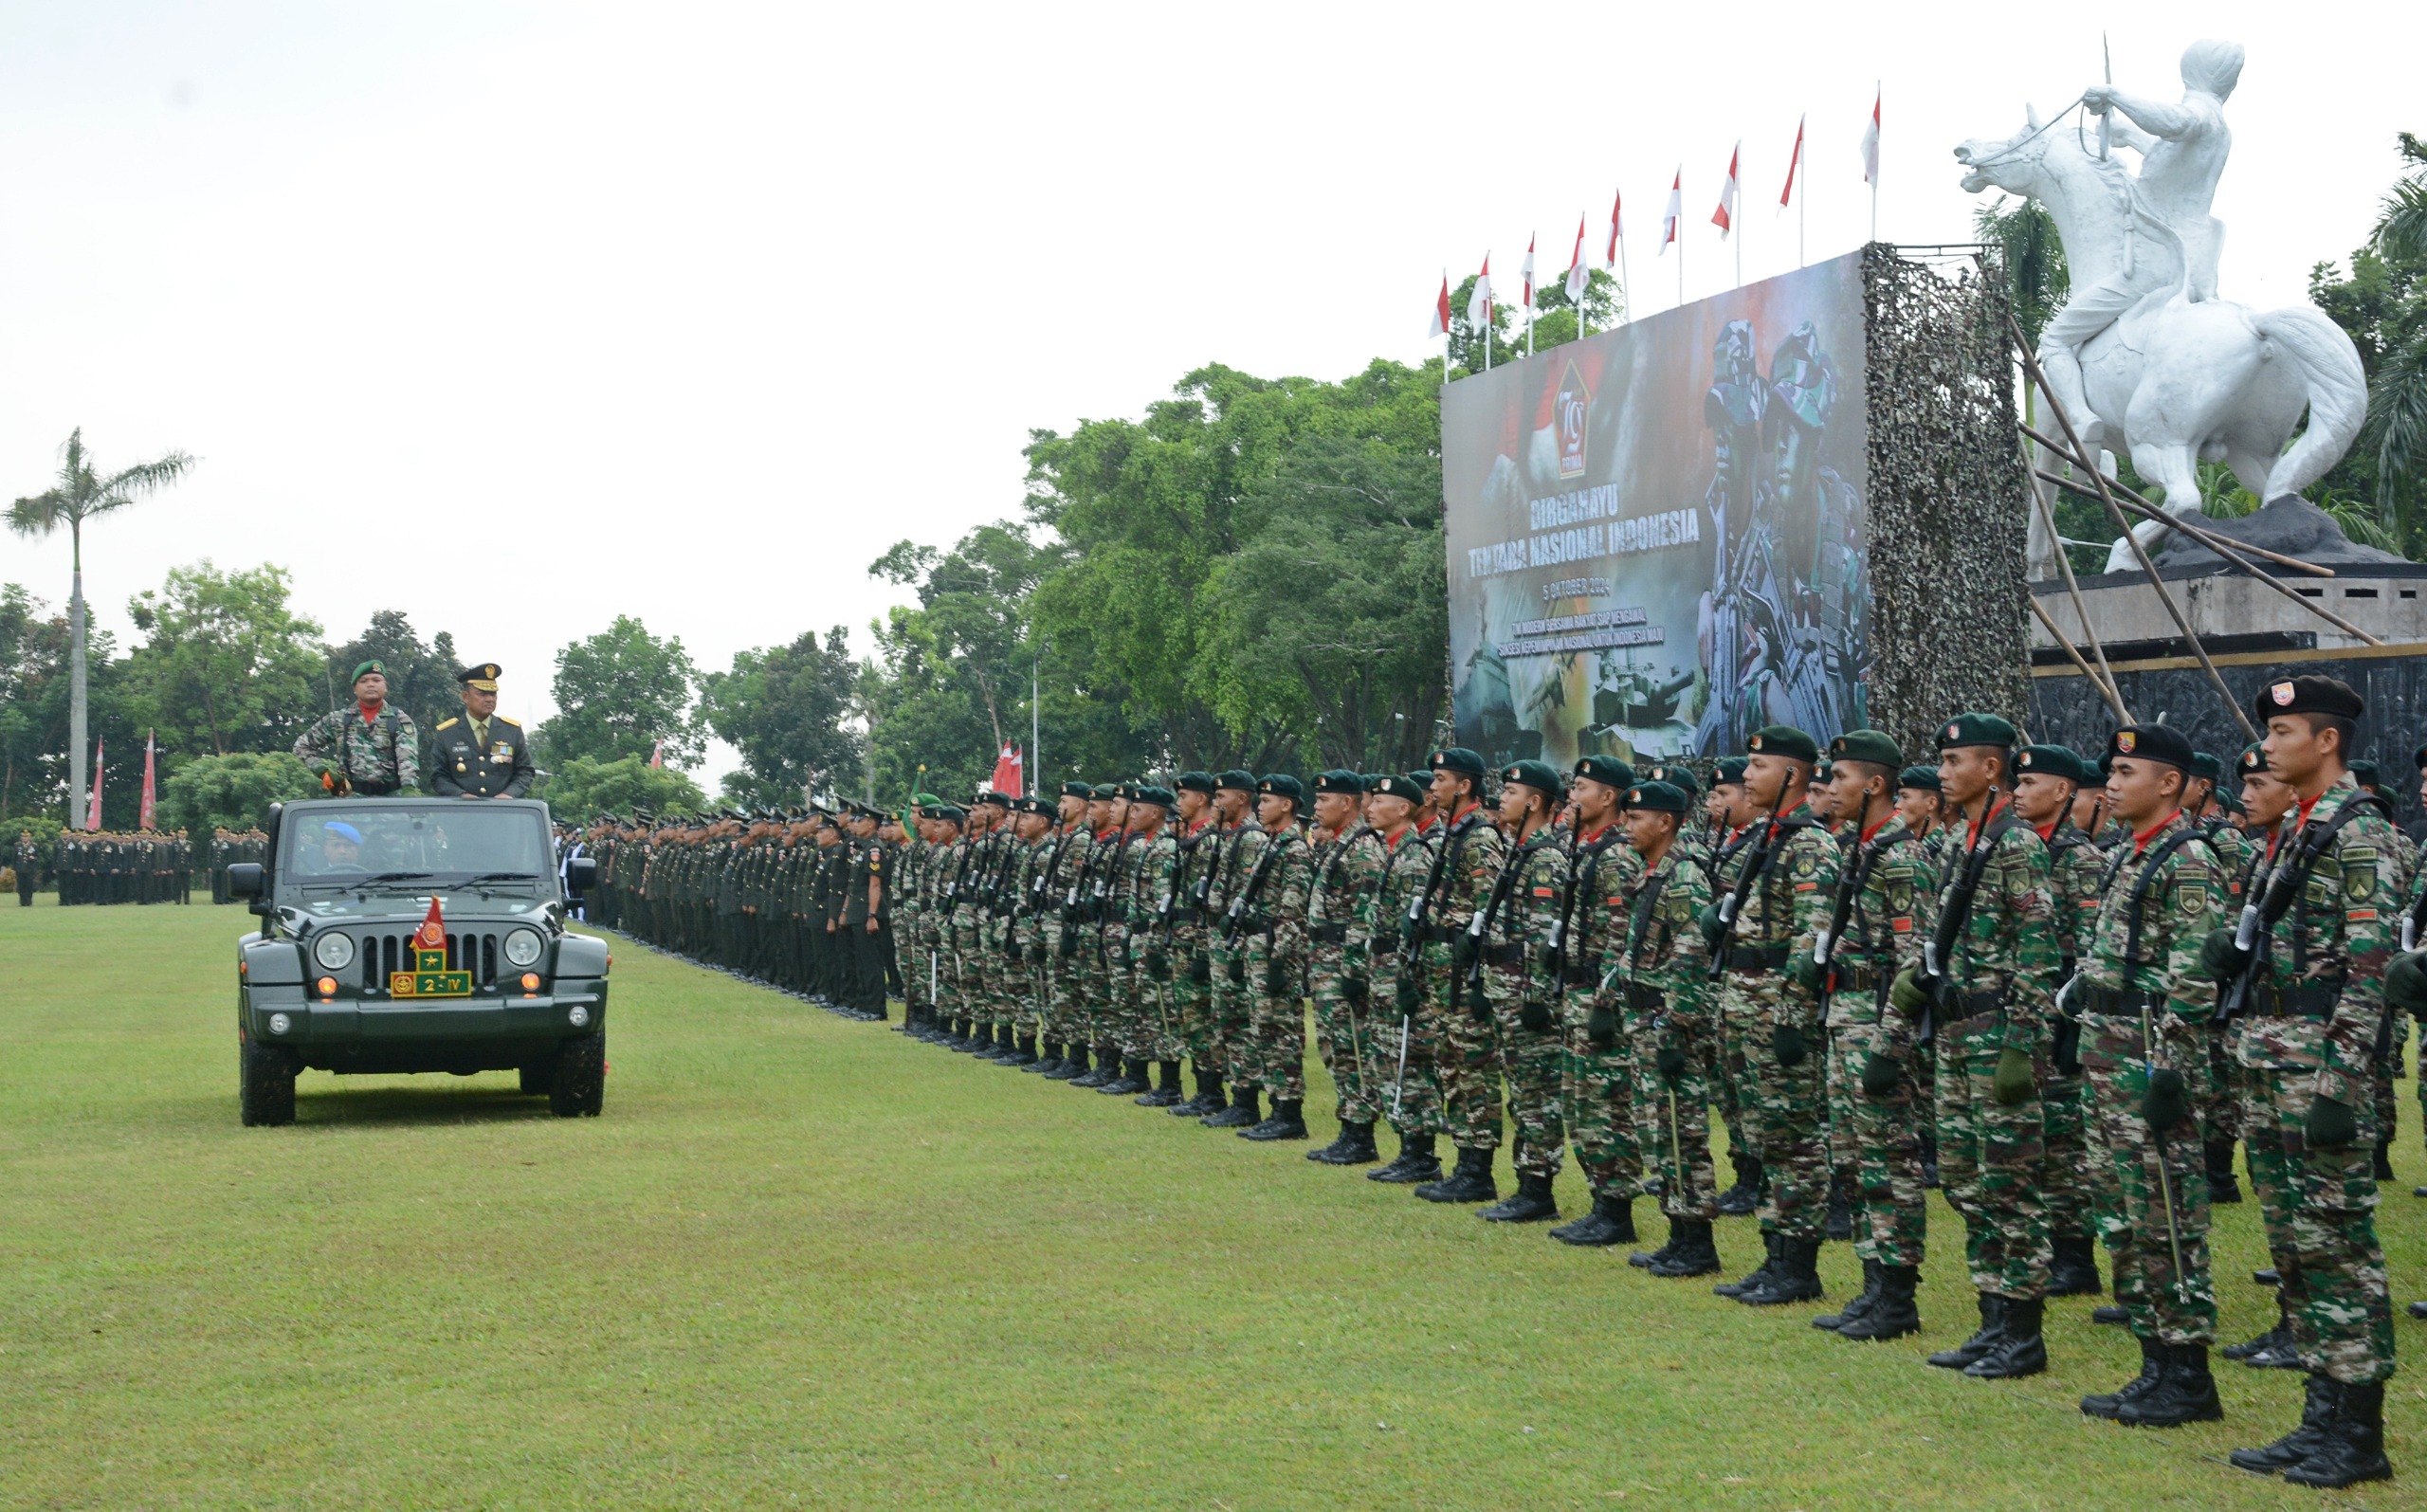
(405,935)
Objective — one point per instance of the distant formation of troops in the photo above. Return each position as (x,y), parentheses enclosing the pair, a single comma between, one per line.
(2061,988)
(105,866)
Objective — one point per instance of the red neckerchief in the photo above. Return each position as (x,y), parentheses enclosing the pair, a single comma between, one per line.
(1102,835)
(2141,839)
(1461,814)
(1198,828)
(1864,838)
(1391,842)
(2048,830)
(1972,838)
(370,711)
(1596,833)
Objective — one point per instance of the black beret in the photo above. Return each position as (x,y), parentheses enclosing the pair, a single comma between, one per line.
(1459,759)
(1606,770)
(1975,729)
(1681,779)
(2151,742)
(1727,772)
(1194,782)
(1153,796)
(1078,790)
(1867,745)
(1236,780)
(1922,777)
(1393,785)
(1782,739)
(1336,780)
(2309,695)
(2364,772)
(1540,775)
(1659,797)
(2204,765)
(1281,785)
(2049,761)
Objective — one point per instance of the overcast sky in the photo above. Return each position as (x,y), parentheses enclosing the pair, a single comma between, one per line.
(518,317)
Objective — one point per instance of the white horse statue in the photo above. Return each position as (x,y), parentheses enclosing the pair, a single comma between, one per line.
(2174,383)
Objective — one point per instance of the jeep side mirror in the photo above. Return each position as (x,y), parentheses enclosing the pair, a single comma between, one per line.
(245,879)
(581,874)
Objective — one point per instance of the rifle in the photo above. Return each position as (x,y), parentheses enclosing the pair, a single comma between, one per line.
(2255,930)
(1755,865)
(1938,951)
(1479,928)
(1237,912)
(1849,885)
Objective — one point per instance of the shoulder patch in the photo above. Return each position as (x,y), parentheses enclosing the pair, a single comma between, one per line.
(449,723)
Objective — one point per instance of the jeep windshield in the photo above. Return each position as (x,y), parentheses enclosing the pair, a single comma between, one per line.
(409,847)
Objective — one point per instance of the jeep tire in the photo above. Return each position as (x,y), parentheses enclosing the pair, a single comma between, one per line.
(265,1084)
(579,1084)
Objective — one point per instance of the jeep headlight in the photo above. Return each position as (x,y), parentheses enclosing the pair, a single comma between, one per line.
(522,947)
(334,950)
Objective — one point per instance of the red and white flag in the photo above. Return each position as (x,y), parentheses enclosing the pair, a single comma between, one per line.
(1795,160)
(1479,302)
(143,818)
(1871,145)
(1578,275)
(1008,772)
(1528,271)
(1615,229)
(1676,210)
(92,810)
(1725,217)
(657,754)
(1441,308)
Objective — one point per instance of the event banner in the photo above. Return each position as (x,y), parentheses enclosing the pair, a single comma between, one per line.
(1656,534)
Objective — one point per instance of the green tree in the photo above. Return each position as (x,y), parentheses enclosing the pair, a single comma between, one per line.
(421,678)
(1555,313)
(82,494)
(227,664)
(235,790)
(33,663)
(2383,305)
(786,709)
(618,693)
(581,790)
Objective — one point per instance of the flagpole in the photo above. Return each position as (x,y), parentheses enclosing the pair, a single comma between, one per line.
(1625,300)
(1877,85)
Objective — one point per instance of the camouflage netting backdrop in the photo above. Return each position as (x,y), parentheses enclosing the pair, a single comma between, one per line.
(1948,499)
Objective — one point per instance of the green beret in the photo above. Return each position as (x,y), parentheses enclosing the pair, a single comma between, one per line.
(1373,781)
(1153,796)
(1281,785)
(2212,769)
(1606,770)
(1336,780)
(1078,790)
(1782,739)
(1540,775)
(1105,792)
(1393,785)
(1194,782)
(1459,759)
(1234,779)
(1658,798)
(924,798)
(1032,805)
(1680,778)
(1975,729)
(363,668)
(2254,760)
(2228,801)
(1727,772)
(2308,695)
(2151,742)
(952,812)
(2049,761)
(1423,781)
(2364,772)
(1923,777)
(1867,745)
(2094,773)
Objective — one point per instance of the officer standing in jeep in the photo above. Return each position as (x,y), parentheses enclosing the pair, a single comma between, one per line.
(480,754)
(370,751)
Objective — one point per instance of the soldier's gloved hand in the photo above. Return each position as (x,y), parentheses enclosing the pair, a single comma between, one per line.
(1803,971)
(1601,1025)
(2332,1125)
(1407,995)
(1238,972)
(1410,932)
(1908,992)
(2012,1084)
(1670,1060)
(1464,950)
(1276,980)
(1479,1001)
(2167,1100)
(1158,963)
(1070,943)
(2406,984)
(1788,1045)
(1713,930)
(1535,1016)
(1357,990)
(1879,1074)
(1200,970)
(1011,950)
(2220,959)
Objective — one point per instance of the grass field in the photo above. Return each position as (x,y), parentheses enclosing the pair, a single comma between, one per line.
(801,1261)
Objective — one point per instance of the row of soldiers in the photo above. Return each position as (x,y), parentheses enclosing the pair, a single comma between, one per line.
(108,867)
(229,848)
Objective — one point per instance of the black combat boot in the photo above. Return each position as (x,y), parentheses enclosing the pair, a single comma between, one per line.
(1471,1182)
(1132,1080)
(1000,1045)
(2317,1410)
(1106,1067)
(1241,1114)
(1207,1101)
(1759,1273)
(2075,1270)
(1609,1221)
(1856,1310)
(2222,1187)
(2019,1348)
(1797,1278)
(1355,1146)
(1993,1312)
(2110,1315)
(2383,1170)
(1531,1202)
(1741,1199)
(1048,1062)
(2184,1393)
(980,1042)
(1166,1092)
(1289,1121)
(1650,1259)
(2351,1444)
(2107,1404)
(1690,1250)
(1074,1064)
(1839,1224)
(1893,1313)
(1415,1163)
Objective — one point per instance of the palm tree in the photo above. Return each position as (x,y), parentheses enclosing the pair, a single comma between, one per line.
(2397,424)
(81,494)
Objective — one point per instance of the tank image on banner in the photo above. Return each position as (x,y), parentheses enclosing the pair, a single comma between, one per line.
(1656,534)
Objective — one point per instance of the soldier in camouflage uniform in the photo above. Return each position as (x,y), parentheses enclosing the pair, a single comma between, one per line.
(1118,1026)
(2315,1001)
(1033,820)
(371,749)
(1151,896)
(1657,994)
(1111,801)
(1522,987)
(1197,841)
(2218,1095)
(1456,895)
(2389,1065)
(1986,980)
(1600,1090)
(2075,1174)
(1400,1057)
(1242,842)
(1348,862)
(1271,921)
(2141,1001)
(1066,1024)
(1774,890)
(1876,1123)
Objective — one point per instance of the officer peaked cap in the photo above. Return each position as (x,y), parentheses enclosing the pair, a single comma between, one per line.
(483,677)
